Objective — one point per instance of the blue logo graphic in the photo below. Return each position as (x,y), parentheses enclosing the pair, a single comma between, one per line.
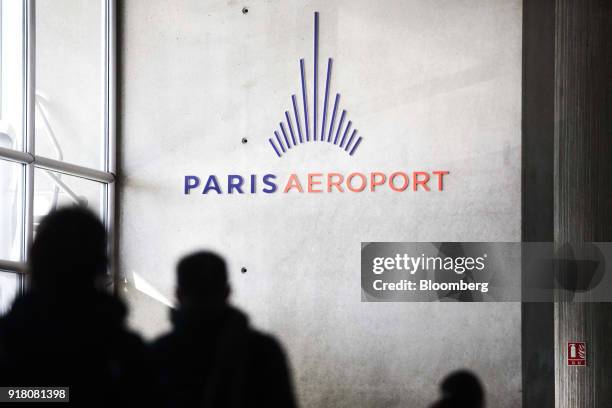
(338,136)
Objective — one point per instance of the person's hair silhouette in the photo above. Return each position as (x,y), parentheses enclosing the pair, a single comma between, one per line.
(212,357)
(202,281)
(461,389)
(66,330)
(69,251)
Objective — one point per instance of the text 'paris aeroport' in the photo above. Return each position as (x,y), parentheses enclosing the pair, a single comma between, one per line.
(355,182)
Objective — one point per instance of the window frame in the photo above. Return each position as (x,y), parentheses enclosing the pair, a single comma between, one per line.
(28,158)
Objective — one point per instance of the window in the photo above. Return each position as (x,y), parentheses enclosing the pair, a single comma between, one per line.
(56,120)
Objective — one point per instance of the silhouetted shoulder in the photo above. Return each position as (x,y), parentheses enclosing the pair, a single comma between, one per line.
(213,357)
(266,344)
(271,373)
(162,343)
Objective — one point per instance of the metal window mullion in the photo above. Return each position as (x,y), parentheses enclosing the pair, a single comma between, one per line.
(56,165)
(73,169)
(103,83)
(29,57)
(111,66)
(12,266)
(109,130)
(109,213)
(108,85)
(16,156)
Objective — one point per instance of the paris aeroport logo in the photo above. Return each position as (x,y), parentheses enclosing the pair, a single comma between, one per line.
(343,136)
(301,125)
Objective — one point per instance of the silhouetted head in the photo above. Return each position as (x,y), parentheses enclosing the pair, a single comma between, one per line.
(202,281)
(461,389)
(69,251)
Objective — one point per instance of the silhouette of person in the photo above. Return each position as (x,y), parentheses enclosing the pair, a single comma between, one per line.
(66,330)
(212,357)
(461,389)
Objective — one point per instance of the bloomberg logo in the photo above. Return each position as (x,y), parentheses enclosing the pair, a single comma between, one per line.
(291,134)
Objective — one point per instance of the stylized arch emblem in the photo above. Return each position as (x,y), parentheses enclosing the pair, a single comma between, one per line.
(341,136)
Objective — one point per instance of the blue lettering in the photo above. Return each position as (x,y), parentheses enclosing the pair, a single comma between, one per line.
(234,181)
(212,184)
(268,181)
(191,182)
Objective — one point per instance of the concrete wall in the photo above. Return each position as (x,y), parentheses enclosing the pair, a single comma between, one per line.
(429,84)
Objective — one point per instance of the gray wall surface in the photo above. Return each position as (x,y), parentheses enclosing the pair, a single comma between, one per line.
(429,84)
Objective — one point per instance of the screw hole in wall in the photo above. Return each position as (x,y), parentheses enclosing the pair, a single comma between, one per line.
(244,140)
(243,269)
(245,10)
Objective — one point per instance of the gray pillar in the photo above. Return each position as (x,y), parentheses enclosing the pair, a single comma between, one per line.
(537,325)
(583,187)
(567,188)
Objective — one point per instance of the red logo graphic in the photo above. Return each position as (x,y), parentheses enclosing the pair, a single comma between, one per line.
(576,353)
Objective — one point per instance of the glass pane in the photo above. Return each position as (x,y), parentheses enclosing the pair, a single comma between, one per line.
(11,74)
(69,81)
(9,287)
(53,190)
(11,203)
